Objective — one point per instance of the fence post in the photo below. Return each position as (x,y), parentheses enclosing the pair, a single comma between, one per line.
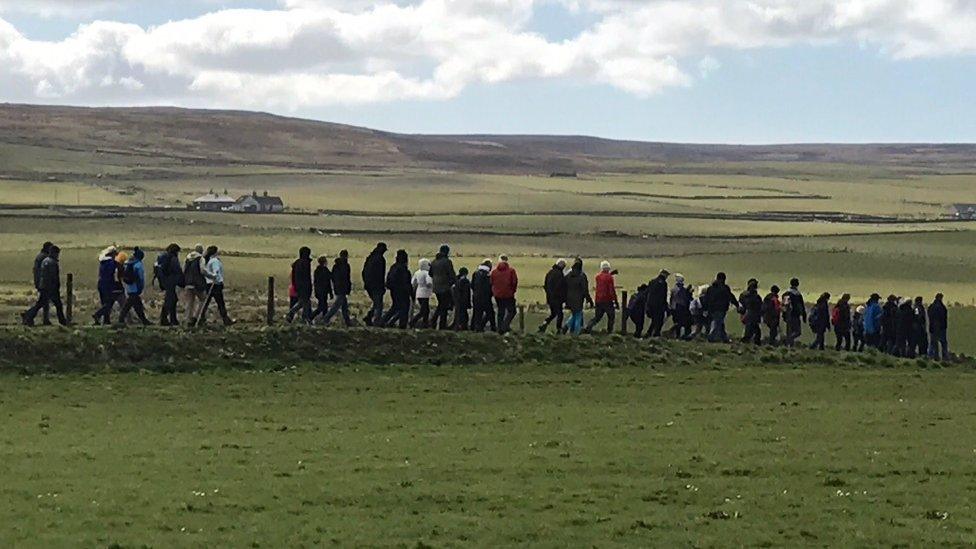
(70,298)
(623,313)
(271,300)
(521,313)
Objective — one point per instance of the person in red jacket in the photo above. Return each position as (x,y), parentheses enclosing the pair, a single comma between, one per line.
(504,284)
(606,299)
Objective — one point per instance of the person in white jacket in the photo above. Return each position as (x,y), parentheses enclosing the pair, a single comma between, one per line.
(423,288)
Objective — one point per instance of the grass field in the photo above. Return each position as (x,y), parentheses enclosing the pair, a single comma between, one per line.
(708,447)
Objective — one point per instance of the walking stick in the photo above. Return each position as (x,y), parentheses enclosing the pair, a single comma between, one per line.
(203,308)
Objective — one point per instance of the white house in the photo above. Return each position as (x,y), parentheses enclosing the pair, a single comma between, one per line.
(255,203)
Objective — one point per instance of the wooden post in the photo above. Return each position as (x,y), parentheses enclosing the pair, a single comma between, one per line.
(623,313)
(271,301)
(521,313)
(70,297)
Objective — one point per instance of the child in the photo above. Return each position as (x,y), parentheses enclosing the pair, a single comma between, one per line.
(857,329)
(636,308)
(323,287)
(423,288)
(461,292)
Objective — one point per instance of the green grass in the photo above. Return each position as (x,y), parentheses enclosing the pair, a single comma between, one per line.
(703,448)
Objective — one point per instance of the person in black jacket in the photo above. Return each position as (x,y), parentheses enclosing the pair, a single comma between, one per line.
(341,288)
(483,314)
(717,300)
(657,303)
(169,273)
(938,329)
(398,282)
(637,309)
(38,260)
(462,300)
(444,277)
(555,286)
(889,325)
(904,321)
(820,321)
(323,287)
(680,306)
(794,312)
(752,306)
(772,308)
(841,319)
(48,281)
(374,282)
(301,278)
(919,339)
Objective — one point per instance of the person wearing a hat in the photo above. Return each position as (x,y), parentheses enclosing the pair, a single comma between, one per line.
(606,299)
(482,311)
(444,276)
(680,306)
(134,278)
(555,287)
(504,285)
(108,285)
(657,303)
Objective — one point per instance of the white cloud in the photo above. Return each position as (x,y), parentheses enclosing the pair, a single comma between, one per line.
(321,52)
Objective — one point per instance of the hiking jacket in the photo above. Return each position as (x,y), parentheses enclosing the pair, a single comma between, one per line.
(423,283)
(637,305)
(606,288)
(718,298)
(841,317)
(657,294)
(680,298)
(213,270)
(461,292)
(820,317)
(905,317)
(108,275)
(577,290)
(920,318)
(796,307)
(37,269)
(193,271)
(323,282)
(504,281)
(555,285)
(374,272)
(50,275)
(399,282)
(301,276)
(481,287)
(772,308)
(137,287)
(341,277)
(442,271)
(889,318)
(752,307)
(938,317)
(872,318)
(857,325)
(170,273)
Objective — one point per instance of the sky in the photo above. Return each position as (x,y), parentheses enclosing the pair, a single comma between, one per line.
(705,71)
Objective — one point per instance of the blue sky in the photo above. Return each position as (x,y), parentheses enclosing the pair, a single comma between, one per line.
(833,74)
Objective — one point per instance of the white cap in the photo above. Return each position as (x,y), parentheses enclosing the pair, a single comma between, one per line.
(605,266)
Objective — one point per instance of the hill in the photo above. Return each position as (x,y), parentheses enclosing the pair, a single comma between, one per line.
(35,139)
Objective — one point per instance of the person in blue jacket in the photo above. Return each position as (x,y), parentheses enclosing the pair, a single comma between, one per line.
(134,279)
(872,322)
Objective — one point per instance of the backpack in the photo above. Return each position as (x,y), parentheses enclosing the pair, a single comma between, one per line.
(129,273)
(814,319)
(161,267)
(835,316)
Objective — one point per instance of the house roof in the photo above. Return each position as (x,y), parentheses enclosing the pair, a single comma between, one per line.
(263,200)
(964,207)
(216,198)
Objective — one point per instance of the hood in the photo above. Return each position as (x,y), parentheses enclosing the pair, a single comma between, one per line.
(484,268)
(502,267)
(106,253)
(424,264)
(193,256)
(138,255)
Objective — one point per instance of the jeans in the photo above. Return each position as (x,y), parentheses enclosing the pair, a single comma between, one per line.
(717,331)
(322,306)
(506,313)
(167,317)
(575,324)
(794,329)
(843,339)
(818,340)
(873,340)
(555,313)
(483,317)
(216,294)
(399,313)
(461,319)
(682,323)
(445,302)
(638,318)
(939,338)
(422,318)
(133,302)
(303,304)
(657,316)
(375,314)
(45,299)
(107,299)
(340,304)
(773,333)
(603,309)
(753,333)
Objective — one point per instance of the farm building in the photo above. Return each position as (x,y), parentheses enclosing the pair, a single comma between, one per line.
(964,211)
(213,202)
(255,203)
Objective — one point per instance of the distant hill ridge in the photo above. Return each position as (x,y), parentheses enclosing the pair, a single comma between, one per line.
(238,137)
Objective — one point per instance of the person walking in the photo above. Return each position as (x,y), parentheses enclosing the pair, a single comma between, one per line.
(752,313)
(716,302)
(772,309)
(36,273)
(213,272)
(919,340)
(857,329)
(905,320)
(699,316)
(423,289)
(443,274)
(637,309)
(483,313)
(341,289)
(374,282)
(889,325)
(504,285)
(794,312)
(169,273)
(134,279)
(606,299)
(195,284)
(555,287)
(657,303)
(840,317)
(872,323)
(680,307)
(301,277)
(108,285)
(322,286)
(577,292)
(820,321)
(461,294)
(938,329)
(398,282)
(49,287)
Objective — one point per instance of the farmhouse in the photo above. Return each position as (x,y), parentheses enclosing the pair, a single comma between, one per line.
(213,202)
(255,203)
(964,211)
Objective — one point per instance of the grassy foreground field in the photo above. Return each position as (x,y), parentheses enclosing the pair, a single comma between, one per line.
(558,443)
